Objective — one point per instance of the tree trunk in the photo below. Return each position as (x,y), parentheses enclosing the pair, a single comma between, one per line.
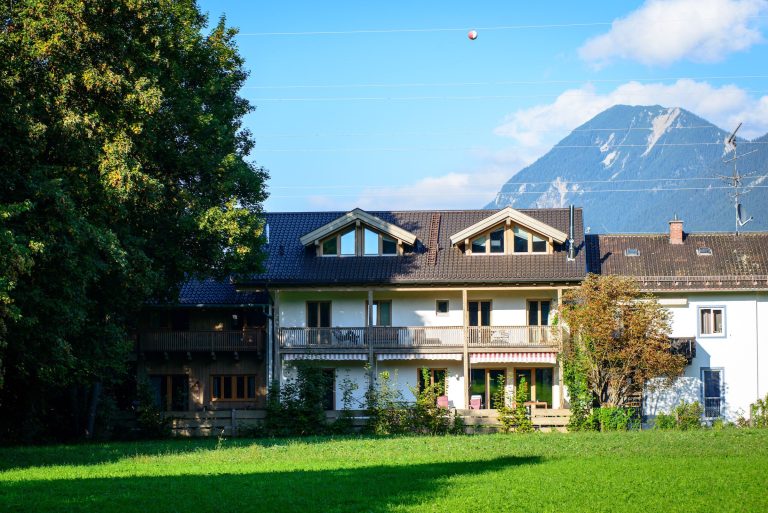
(94,403)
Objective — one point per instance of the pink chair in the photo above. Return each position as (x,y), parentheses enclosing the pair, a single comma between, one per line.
(475,402)
(442,401)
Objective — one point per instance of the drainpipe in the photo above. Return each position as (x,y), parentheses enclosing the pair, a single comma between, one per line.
(757,347)
(571,249)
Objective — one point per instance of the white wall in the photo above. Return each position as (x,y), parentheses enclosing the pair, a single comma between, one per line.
(736,352)
(410,308)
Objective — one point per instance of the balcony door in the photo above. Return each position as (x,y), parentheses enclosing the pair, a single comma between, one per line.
(318,322)
(538,316)
(486,384)
(539,381)
(479,317)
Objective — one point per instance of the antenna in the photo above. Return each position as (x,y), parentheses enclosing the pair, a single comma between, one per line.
(736,179)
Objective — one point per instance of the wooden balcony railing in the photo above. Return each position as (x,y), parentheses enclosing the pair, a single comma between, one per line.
(512,336)
(417,336)
(191,341)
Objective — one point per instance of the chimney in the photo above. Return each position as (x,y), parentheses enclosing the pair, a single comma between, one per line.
(675,231)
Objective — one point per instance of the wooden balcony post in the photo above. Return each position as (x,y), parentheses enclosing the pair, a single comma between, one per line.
(278,363)
(465,322)
(560,348)
(369,339)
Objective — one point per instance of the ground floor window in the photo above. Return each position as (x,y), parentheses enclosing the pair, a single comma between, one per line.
(233,388)
(434,377)
(712,381)
(329,392)
(539,382)
(170,391)
(485,384)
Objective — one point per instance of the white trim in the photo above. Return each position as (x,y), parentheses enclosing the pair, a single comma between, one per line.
(514,215)
(351,218)
(330,357)
(513,358)
(418,356)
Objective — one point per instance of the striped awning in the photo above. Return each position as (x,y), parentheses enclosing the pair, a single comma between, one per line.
(324,356)
(513,358)
(418,356)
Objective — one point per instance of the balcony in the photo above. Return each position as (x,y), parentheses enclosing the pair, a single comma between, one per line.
(385,337)
(207,341)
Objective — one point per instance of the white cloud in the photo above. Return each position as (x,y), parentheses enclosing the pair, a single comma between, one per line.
(661,32)
(542,126)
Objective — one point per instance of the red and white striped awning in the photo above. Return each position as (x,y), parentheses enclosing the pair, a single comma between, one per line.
(513,358)
(324,356)
(418,356)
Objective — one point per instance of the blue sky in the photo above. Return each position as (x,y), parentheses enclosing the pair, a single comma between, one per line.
(388,105)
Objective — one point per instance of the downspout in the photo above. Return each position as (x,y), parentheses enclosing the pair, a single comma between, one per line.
(757,347)
(270,343)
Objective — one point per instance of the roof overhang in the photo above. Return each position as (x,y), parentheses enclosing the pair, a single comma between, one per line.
(353,217)
(516,216)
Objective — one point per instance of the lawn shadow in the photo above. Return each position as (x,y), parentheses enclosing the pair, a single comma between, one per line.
(374,489)
(94,453)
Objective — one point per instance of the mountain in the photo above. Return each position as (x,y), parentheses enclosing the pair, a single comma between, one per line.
(622,167)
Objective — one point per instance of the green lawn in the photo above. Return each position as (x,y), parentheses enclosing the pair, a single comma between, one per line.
(640,471)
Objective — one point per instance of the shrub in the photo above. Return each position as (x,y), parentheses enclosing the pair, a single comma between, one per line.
(513,417)
(610,418)
(151,421)
(759,413)
(296,409)
(385,407)
(688,415)
(665,421)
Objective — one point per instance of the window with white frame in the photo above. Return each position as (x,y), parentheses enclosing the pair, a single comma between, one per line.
(712,321)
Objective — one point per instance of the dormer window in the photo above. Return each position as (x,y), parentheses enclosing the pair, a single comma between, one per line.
(348,243)
(378,244)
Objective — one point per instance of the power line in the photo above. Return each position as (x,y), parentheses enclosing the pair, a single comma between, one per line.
(455,148)
(457,29)
(510,82)
(401,192)
(459,132)
(580,182)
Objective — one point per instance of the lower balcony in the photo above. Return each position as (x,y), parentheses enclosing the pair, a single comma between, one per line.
(202,341)
(386,337)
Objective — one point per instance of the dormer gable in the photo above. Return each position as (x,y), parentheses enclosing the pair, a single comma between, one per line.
(508,231)
(358,233)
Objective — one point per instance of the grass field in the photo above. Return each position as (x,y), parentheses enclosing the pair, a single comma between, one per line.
(639,471)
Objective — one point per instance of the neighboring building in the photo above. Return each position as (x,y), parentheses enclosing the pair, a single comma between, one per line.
(468,295)
(207,350)
(716,287)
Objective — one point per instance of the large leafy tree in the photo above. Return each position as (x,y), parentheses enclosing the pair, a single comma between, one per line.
(124,170)
(619,340)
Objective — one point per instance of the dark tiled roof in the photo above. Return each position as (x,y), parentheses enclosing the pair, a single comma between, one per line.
(213,292)
(289,263)
(737,261)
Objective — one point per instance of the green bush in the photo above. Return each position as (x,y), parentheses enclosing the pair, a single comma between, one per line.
(296,408)
(610,418)
(665,421)
(688,415)
(759,413)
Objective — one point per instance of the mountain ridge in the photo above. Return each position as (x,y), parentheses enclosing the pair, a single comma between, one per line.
(633,168)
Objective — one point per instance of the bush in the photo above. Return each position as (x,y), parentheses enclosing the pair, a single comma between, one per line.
(611,418)
(759,413)
(151,421)
(513,417)
(296,409)
(665,421)
(688,415)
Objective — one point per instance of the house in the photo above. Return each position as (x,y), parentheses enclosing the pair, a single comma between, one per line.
(206,350)
(716,287)
(468,295)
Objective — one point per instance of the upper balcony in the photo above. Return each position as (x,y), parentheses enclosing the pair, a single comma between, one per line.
(203,341)
(412,337)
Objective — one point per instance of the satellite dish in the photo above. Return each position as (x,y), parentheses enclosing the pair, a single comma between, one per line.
(740,213)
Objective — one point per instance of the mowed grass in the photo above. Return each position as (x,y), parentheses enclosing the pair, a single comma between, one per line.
(638,471)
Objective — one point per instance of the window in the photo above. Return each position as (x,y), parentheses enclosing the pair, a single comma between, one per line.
(382,313)
(538,245)
(348,243)
(539,382)
(329,389)
(712,383)
(442,307)
(521,240)
(632,252)
(538,312)
(711,321)
(233,388)
(318,314)
(170,391)
(434,377)
(497,241)
(478,244)
(479,313)
(485,384)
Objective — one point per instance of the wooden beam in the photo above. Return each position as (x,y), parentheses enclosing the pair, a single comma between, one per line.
(465,315)
(371,360)
(560,352)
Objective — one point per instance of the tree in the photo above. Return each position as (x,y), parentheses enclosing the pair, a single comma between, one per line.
(619,339)
(124,171)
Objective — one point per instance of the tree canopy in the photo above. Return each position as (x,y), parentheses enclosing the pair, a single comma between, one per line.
(619,339)
(125,169)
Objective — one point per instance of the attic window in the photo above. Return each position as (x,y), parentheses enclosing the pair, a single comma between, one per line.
(705,251)
(632,252)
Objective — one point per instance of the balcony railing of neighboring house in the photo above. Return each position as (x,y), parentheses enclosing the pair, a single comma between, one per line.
(512,336)
(191,341)
(685,347)
(417,336)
